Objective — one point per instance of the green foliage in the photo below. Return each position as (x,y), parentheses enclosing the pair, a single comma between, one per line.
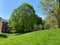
(51,8)
(46,37)
(39,27)
(23,18)
(3,36)
(51,22)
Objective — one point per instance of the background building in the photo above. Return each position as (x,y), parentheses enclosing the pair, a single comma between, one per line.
(3,25)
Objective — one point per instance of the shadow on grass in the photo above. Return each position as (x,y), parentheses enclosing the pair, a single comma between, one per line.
(3,35)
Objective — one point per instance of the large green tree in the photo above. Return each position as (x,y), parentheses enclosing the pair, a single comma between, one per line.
(51,8)
(23,18)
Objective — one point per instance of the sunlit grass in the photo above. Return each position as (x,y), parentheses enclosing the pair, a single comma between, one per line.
(44,37)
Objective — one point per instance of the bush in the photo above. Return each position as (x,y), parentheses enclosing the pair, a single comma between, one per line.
(3,35)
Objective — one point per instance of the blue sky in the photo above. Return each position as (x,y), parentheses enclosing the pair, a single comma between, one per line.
(7,6)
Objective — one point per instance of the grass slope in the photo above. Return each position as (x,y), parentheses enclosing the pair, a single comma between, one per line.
(44,37)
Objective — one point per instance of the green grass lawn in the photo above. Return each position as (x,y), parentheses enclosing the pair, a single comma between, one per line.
(44,37)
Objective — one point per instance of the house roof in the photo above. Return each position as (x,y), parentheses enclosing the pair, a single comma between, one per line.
(4,20)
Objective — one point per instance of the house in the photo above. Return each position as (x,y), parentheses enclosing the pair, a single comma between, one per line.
(3,26)
(1,23)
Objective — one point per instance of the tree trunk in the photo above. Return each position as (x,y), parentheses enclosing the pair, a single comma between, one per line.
(58,18)
(58,23)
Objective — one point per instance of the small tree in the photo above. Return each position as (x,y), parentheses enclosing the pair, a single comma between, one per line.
(51,21)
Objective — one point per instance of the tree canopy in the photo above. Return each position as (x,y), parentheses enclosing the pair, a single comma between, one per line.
(51,8)
(23,18)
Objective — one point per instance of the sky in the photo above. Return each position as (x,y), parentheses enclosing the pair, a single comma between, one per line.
(7,6)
